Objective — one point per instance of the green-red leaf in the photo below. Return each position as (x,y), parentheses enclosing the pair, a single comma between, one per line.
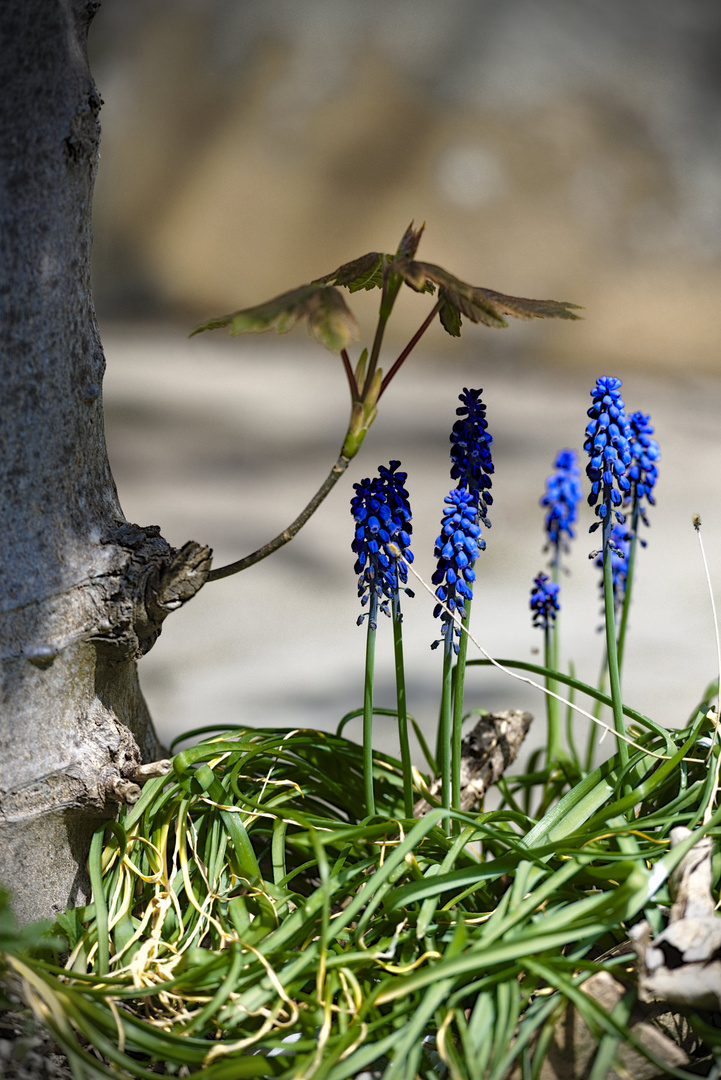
(365,272)
(478,304)
(522,308)
(330,320)
(449,315)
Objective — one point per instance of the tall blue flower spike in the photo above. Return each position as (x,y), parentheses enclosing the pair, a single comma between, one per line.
(392,483)
(472,465)
(608,443)
(382,515)
(544,601)
(620,548)
(642,472)
(456,549)
(563,494)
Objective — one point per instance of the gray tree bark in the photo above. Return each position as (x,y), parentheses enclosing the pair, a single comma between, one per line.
(82,591)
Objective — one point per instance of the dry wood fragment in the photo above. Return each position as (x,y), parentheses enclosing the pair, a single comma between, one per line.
(573,1048)
(151,770)
(486,752)
(683,964)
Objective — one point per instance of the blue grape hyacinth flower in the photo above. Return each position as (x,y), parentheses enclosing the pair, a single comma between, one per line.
(472,464)
(643,471)
(544,601)
(456,549)
(608,443)
(382,515)
(563,494)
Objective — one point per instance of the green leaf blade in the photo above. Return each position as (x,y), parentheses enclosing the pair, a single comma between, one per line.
(478,304)
(365,272)
(330,320)
(449,315)
(522,308)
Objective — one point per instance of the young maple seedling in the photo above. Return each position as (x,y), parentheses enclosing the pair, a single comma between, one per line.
(332,323)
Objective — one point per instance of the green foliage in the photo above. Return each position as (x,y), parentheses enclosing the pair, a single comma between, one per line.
(332,323)
(242,900)
(478,304)
(330,320)
(366,272)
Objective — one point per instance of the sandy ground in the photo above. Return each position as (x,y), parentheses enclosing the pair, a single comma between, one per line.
(224,441)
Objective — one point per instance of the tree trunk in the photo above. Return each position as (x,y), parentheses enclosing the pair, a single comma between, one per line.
(82,591)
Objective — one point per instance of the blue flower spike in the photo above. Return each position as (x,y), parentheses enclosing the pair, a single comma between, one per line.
(608,443)
(563,494)
(472,465)
(544,602)
(456,549)
(643,471)
(383,518)
(382,539)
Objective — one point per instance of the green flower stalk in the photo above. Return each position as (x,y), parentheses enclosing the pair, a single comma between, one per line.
(472,467)
(456,549)
(607,442)
(643,474)
(382,543)
(560,500)
(545,607)
(401,515)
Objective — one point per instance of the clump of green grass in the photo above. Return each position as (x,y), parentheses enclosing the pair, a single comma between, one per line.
(247,922)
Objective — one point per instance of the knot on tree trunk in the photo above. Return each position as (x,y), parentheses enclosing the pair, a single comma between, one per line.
(151,580)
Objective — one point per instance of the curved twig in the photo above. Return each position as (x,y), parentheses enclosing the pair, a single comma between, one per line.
(287,535)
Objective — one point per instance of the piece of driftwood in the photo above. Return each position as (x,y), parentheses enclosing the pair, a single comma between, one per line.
(683,964)
(486,752)
(573,1048)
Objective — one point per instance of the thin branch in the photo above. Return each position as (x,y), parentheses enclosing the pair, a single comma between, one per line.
(409,347)
(287,535)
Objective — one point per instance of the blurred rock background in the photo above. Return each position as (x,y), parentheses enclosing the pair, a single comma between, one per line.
(567,149)
(571,146)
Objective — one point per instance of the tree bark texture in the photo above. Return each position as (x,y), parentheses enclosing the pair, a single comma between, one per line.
(82,591)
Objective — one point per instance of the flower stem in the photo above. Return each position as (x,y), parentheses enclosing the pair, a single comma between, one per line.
(554,743)
(402,712)
(444,723)
(611,648)
(457,731)
(368,706)
(628,586)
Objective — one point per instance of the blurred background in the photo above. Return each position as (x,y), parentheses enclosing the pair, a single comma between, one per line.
(569,149)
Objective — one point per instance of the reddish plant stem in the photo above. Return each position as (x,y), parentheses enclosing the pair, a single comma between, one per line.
(409,347)
(350,375)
